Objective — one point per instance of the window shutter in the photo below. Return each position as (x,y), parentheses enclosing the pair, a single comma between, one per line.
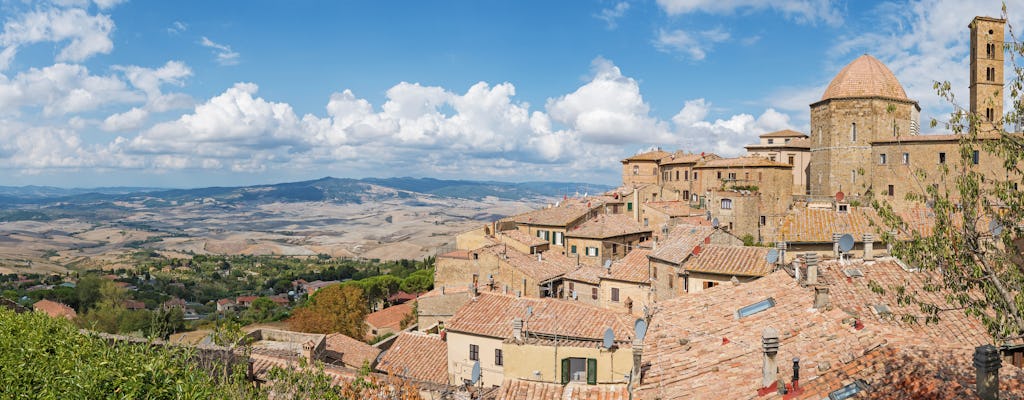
(565,371)
(591,371)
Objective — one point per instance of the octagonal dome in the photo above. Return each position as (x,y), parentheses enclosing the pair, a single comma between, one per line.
(865,77)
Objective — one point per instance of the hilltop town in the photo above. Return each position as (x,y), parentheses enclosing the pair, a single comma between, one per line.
(767,275)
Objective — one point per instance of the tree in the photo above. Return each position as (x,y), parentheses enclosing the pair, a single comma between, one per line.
(337,308)
(975,245)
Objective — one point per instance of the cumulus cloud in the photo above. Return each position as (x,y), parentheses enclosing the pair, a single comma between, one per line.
(725,137)
(611,16)
(87,35)
(694,46)
(177,27)
(129,120)
(802,11)
(62,89)
(225,56)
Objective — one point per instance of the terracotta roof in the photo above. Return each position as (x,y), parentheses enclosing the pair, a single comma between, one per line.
(54,309)
(634,267)
(680,243)
(491,314)
(551,264)
(350,351)
(680,157)
(516,389)
(417,356)
(436,292)
(402,297)
(698,348)
(730,260)
(746,161)
(586,273)
(390,317)
(801,142)
(134,305)
(673,208)
(226,301)
(653,155)
(809,225)
(562,215)
(865,77)
(523,237)
(785,133)
(608,226)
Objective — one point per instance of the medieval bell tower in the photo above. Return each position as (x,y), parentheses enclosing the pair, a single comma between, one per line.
(987,71)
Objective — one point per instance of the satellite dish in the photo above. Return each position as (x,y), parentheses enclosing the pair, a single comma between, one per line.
(845,243)
(995,227)
(773,256)
(291,293)
(714,223)
(475,377)
(607,264)
(840,196)
(640,327)
(529,311)
(609,338)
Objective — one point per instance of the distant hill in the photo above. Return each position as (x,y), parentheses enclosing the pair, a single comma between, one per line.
(329,189)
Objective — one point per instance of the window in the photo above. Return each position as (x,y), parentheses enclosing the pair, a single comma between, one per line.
(791,160)
(670,282)
(732,176)
(853,132)
(677,175)
(719,174)
(746,175)
(694,175)
(755,308)
(990,50)
(844,208)
(629,206)
(942,158)
(709,285)
(771,141)
(559,239)
(474,352)
(615,294)
(686,174)
(498,359)
(772,158)
(636,170)
(764,220)
(593,293)
(615,246)
(572,286)
(853,176)
(654,272)
(727,204)
(989,115)
(579,370)
(892,190)
(990,74)
(881,159)
(906,158)
(975,157)
(591,251)
(572,249)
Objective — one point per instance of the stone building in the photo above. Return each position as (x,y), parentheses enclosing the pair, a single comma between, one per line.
(790,147)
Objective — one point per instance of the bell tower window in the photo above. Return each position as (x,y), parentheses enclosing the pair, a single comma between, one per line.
(853,132)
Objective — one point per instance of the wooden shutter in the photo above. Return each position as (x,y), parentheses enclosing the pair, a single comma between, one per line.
(565,371)
(591,371)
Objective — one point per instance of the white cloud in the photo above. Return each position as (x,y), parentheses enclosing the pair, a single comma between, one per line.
(694,46)
(225,56)
(129,120)
(150,81)
(726,137)
(87,35)
(62,89)
(177,27)
(108,4)
(611,16)
(802,11)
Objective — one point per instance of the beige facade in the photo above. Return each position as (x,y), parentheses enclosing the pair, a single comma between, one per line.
(466,349)
(543,362)
(739,213)
(787,147)
(592,251)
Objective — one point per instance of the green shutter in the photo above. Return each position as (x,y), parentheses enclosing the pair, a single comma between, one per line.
(629,206)
(573,249)
(565,371)
(591,371)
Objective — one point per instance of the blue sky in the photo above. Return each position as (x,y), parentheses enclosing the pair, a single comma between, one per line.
(198,93)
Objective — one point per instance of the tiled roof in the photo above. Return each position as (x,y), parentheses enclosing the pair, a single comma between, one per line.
(634,267)
(801,142)
(653,155)
(673,208)
(607,226)
(730,260)
(523,237)
(686,158)
(562,215)
(680,243)
(698,348)
(746,162)
(865,77)
(810,225)
(417,356)
(586,273)
(54,309)
(390,317)
(785,133)
(551,264)
(491,314)
(350,351)
(516,389)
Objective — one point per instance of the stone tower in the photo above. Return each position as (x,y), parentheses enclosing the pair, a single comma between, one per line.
(987,70)
(863,103)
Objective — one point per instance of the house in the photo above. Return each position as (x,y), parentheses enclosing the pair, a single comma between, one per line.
(134,305)
(54,309)
(818,227)
(312,287)
(547,340)
(714,265)
(352,353)
(435,307)
(400,297)
(790,147)
(662,215)
(624,286)
(224,305)
(668,256)
(605,237)
(417,356)
(503,268)
(387,320)
(245,301)
(551,223)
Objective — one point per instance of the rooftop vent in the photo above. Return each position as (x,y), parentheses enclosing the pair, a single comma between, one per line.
(881,309)
(848,391)
(853,273)
(755,308)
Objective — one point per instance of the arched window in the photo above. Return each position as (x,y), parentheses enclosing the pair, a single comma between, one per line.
(989,114)
(990,74)
(853,132)
(990,50)
(726,204)
(636,170)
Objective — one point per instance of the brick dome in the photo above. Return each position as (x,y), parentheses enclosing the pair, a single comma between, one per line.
(865,77)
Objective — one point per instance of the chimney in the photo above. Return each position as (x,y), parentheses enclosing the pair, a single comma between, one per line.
(309,349)
(472,290)
(869,247)
(770,346)
(517,329)
(638,353)
(811,259)
(540,257)
(987,363)
(835,244)
(821,299)
(781,246)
